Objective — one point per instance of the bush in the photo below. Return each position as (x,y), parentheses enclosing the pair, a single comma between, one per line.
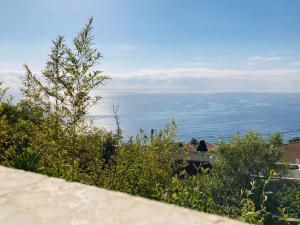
(289,198)
(241,160)
(140,164)
(26,161)
(202,146)
(255,203)
(194,142)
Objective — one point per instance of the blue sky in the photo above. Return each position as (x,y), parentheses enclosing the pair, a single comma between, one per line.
(203,45)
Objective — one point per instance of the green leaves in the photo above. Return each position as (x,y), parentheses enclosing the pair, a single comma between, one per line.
(66,82)
(27,160)
(244,158)
(255,203)
(68,78)
(47,133)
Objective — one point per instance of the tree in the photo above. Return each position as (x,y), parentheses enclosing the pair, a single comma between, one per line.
(68,79)
(202,146)
(275,139)
(194,141)
(243,159)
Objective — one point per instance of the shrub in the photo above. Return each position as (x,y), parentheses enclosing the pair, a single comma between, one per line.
(140,164)
(255,203)
(289,198)
(194,142)
(26,161)
(202,146)
(241,160)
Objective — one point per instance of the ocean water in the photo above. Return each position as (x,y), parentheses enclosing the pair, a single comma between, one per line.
(208,116)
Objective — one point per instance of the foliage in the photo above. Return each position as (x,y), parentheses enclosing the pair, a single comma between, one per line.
(46,132)
(31,139)
(255,203)
(241,160)
(289,198)
(192,192)
(141,163)
(275,139)
(187,192)
(202,146)
(68,80)
(25,160)
(194,142)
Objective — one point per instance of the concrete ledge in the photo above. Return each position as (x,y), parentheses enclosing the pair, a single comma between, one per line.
(33,199)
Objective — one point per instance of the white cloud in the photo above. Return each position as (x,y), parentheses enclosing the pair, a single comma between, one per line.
(263,59)
(207,80)
(12,79)
(197,78)
(295,63)
(201,72)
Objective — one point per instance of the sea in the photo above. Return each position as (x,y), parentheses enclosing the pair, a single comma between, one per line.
(206,116)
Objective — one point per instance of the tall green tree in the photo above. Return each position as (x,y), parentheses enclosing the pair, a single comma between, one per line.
(68,79)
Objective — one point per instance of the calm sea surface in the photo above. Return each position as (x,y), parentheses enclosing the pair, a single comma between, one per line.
(204,116)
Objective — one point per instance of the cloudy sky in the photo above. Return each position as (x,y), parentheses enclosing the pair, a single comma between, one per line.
(192,45)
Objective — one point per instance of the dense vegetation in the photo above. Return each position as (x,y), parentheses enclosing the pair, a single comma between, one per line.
(47,132)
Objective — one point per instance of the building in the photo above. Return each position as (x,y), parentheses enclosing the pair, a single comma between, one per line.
(197,156)
(197,159)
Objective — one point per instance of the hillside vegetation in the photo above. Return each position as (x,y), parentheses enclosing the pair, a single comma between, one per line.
(47,132)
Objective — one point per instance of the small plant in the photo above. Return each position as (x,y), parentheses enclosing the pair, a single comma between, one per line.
(187,192)
(254,204)
(25,161)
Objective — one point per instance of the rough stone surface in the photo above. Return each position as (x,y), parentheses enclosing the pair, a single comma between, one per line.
(33,199)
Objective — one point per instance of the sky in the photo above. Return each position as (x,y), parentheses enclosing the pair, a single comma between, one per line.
(163,45)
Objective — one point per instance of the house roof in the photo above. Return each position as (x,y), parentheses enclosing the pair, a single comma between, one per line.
(291,152)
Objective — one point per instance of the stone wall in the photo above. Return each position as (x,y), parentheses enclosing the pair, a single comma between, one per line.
(32,199)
